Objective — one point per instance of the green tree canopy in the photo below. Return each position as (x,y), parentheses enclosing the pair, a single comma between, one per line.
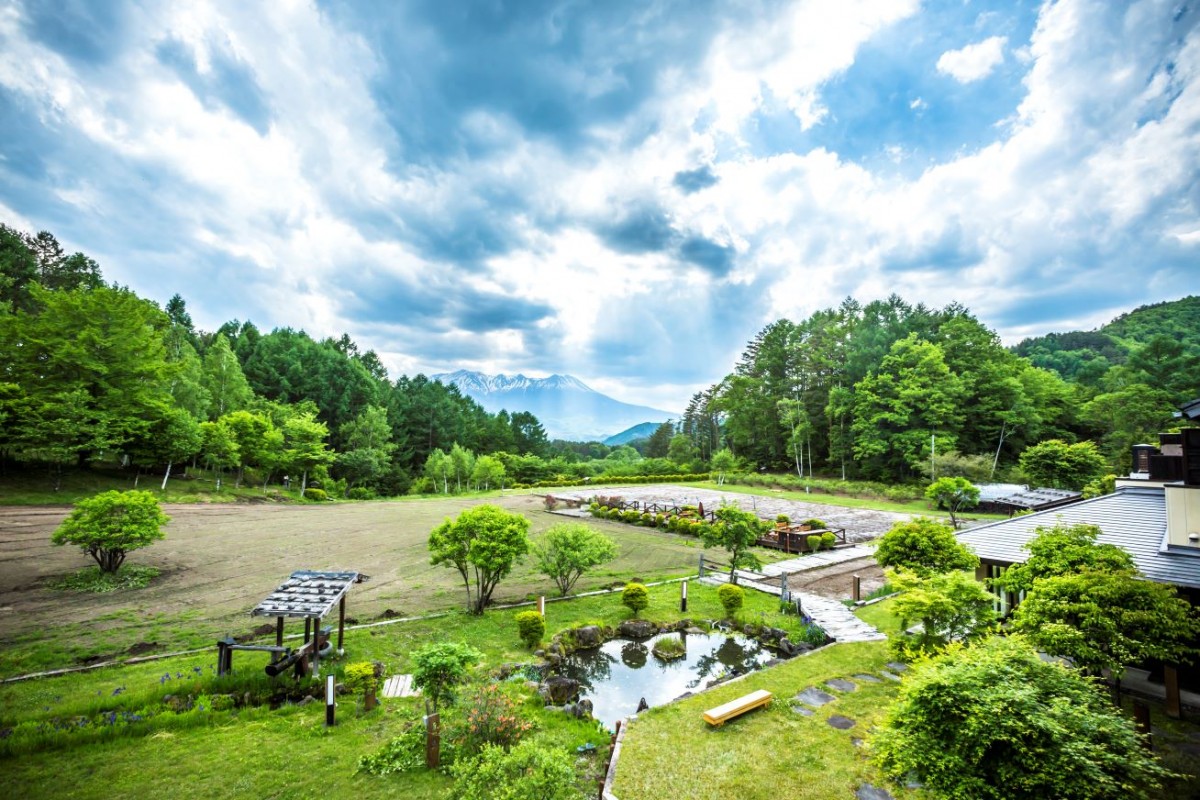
(482,543)
(1064,550)
(108,525)
(570,549)
(1056,464)
(994,722)
(438,670)
(924,546)
(949,607)
(736,531)
(954,495)
(1108,621)
(488,472)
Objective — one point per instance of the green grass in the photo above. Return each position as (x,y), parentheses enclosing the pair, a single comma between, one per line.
(765,754)
(257,752)
(95,581)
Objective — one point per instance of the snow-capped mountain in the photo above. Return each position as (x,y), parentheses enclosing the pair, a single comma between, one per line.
(566,406)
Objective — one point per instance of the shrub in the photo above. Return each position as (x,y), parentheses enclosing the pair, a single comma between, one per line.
(925,546)
(438,669)
(783,518)
(828,540)
(361,493)
(569,549)
(531,627)
(360,677)
(492,718)
(316,495)
(404,753)
(994,722)
(550,502)
(814,524)
(526,772)
(94,580)
(732,598)
(635,597)
(814,541)
(647,519)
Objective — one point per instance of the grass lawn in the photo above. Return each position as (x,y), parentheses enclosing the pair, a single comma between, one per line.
(288,752)
(770,753)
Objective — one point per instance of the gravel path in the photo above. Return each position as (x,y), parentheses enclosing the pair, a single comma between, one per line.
(861,524)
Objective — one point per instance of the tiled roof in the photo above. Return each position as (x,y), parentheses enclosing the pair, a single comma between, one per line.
(307,594)
(1134,519)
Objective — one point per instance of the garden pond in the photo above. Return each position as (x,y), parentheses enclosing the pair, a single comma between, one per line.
(620,673)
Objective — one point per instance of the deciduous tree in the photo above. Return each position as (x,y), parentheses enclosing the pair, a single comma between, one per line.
(109,525)
(482,543)
(923,546)
(570,549)
(954,495)
(736,531)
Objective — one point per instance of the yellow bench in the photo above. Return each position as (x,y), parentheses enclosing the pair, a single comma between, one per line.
(735,708)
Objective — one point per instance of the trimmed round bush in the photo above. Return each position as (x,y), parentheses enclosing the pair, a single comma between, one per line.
(636,597)
(316,495)
(531,627)
(814,541)
(732,598)
(828,540)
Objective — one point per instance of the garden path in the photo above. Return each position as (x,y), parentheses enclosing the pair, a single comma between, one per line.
(832,615)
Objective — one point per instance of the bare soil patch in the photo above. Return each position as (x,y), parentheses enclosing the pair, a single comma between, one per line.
(218,561)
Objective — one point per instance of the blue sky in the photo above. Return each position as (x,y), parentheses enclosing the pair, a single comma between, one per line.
(624,191)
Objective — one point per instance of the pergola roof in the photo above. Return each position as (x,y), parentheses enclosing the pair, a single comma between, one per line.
(1039,498)
(307,594)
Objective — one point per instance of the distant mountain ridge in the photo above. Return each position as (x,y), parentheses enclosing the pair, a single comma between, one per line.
(640,431)
(566,406)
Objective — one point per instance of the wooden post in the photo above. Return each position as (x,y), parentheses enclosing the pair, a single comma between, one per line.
(341,625)
(329,704)
(542,604)
(1171,683)
(279,631)
(316,648)
(307,628)
(1141,715)
(784,594)
(857,588)
(683,597)
(433,742)
(702,565)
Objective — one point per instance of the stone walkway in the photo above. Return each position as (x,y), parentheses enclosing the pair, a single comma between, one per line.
(814,697)
(835,618)
(826,558)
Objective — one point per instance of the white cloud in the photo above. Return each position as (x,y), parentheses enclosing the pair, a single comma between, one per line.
(973,62)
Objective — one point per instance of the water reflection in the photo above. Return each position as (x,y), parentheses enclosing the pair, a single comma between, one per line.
(617,674)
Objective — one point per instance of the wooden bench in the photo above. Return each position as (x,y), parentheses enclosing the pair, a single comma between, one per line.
(735,708)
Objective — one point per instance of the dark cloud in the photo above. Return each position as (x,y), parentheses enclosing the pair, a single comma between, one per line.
(228,83)
(707,254)
(693,180)
(646,229)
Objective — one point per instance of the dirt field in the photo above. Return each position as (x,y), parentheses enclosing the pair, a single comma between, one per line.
(218,561)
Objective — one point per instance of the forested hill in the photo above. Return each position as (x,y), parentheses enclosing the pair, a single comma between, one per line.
(1162,339)
(884,389)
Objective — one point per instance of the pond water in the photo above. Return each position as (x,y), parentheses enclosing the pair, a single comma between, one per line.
(619,673)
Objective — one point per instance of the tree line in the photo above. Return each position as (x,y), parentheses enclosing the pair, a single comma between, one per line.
(91,371)
(890,391)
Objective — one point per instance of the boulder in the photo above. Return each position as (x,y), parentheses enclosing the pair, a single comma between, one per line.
(637,628)
(559,690)
(588,636)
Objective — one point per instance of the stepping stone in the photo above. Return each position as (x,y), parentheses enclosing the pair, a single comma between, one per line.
(890,676)
(400,686)
(840,722)
(896,666)
(841,685)
(866,678)
(815,697)
(869,792)
(802,711)
(857,742)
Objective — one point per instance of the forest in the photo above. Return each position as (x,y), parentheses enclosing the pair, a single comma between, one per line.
(887,391)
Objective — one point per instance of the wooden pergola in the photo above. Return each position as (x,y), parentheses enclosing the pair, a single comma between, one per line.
(306,594)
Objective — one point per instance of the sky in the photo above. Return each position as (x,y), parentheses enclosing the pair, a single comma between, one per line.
(623,191)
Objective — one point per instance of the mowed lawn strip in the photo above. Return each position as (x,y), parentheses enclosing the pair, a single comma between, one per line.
(768,753)
(217,562)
